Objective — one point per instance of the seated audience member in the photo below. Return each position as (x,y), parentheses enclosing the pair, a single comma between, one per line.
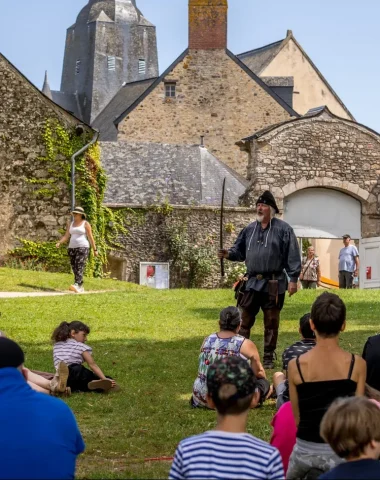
(39,436)
(284,433)
(228,451)
(352,428)
(371,355)
(70,347)
(54,385)
(280,381)
(226,343)
(316,379)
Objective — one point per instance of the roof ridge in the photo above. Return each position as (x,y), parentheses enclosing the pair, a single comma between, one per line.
(262,84)
(260,48)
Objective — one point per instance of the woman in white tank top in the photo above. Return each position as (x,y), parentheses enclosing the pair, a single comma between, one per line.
(79,233)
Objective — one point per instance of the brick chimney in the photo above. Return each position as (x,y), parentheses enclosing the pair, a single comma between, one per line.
(207,24)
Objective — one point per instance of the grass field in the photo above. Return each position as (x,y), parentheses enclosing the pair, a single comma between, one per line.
(149,341)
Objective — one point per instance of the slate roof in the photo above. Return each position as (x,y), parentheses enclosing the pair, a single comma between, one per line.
(67,101)
(259,58)
(233,57)
(123,99)
(312,113)
(151,173)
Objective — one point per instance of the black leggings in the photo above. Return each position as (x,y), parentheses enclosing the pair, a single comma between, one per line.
(80,377)
(78,257)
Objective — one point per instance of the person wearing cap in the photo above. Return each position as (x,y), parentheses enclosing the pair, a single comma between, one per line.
(270,250)
(39,436)
(79,233)
(228,451)
(348,263)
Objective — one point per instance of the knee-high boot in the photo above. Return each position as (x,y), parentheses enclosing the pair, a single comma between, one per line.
(271,325)
(247,321)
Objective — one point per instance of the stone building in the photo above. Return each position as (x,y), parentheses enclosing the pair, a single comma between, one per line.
(111,44)
(23,212)
(325,174)
(286,63)
(207,91)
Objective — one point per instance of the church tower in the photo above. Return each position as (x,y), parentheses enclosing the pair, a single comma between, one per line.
(110,44)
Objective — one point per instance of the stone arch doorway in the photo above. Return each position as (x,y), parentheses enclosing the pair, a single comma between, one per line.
(323,213)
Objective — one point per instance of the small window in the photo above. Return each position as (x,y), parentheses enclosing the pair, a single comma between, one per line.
(170,90)
(142,66)
(111,63)
(77,67)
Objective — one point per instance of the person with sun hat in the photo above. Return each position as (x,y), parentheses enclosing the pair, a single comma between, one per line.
(79,233)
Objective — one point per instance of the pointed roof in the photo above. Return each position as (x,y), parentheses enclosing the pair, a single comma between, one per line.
(46,87)
(257,60)
(119,103)
(60,110)
(323,112)
(233,57)
(103,17)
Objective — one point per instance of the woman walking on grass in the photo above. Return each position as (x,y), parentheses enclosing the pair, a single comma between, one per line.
(70,347)
(79,232)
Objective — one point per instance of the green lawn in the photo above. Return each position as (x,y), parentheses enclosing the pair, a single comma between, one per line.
(149,341)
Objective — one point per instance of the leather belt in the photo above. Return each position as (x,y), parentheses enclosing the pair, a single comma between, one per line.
(266,276)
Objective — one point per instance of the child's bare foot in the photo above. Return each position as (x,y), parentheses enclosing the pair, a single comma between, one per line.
(104,385)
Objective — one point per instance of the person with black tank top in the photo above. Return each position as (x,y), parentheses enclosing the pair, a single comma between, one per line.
(316,379)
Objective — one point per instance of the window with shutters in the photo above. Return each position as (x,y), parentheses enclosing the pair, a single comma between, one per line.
(142,66)
(170,89)
(111,63)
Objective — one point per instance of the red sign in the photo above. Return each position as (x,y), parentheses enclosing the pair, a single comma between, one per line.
(368,273)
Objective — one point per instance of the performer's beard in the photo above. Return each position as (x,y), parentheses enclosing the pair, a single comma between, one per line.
(259,218)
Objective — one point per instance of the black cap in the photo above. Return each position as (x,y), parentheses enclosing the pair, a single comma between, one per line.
(346,236)
(11,354)
(268,199)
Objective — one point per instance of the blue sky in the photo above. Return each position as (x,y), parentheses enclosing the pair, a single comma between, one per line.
(342,37)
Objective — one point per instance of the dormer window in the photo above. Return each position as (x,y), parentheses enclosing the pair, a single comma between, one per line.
(142,66)
(170,89)
(111,63)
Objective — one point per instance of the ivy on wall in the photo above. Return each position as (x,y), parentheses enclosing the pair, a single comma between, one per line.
(60,144)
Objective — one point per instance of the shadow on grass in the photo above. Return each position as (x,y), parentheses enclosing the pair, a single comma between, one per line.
(37,287)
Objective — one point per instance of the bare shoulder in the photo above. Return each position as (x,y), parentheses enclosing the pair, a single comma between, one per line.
(360,362)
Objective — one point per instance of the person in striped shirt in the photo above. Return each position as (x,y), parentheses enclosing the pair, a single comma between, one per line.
(228,451)
(70,347)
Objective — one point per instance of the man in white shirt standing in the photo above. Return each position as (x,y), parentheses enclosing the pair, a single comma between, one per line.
(348,263)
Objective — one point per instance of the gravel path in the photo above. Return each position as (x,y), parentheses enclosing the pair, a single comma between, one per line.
(43,294)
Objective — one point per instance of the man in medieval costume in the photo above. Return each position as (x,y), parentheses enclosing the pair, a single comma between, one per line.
(271,253)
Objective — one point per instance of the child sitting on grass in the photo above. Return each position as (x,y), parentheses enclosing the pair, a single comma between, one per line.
(70,347)
(228,451)
(352,428)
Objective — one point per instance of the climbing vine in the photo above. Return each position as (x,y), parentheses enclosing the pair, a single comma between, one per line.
(60,144)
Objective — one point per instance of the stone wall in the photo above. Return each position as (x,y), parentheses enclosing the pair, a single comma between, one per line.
(147,241)
(319,151)
(215,97)
(23,113)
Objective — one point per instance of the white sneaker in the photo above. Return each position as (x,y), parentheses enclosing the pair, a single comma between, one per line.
(75,288)
(80,289)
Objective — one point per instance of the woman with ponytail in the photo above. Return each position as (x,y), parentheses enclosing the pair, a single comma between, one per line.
(70,347)
(226,343)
